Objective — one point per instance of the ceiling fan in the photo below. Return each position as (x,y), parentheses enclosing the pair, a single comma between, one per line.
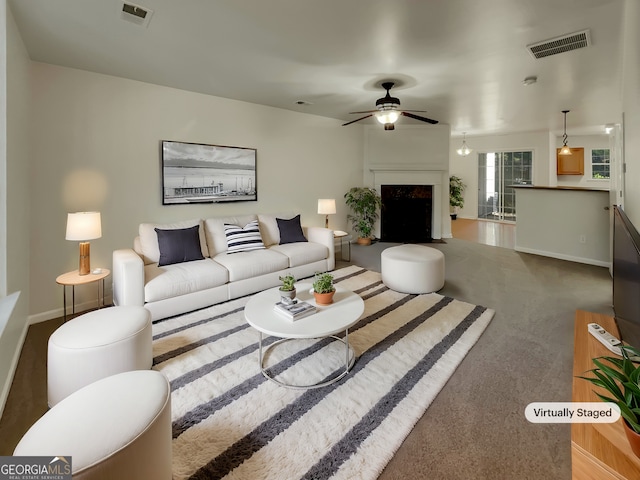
(387,111)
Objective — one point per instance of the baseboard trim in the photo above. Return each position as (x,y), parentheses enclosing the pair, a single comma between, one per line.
(6,388)
(59,312)
(560,256)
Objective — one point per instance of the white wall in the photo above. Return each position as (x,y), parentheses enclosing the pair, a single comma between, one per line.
(14,218)
(543,145)
(631,106)
(411,155)
(588,142)
(567,224)
(96,146)
(467,167)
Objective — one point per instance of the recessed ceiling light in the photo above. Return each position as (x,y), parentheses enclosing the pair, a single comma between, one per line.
(530,80)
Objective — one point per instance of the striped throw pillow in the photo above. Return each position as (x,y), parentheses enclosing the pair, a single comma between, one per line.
(243,239)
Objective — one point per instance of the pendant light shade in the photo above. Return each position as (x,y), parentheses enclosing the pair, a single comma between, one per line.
(565,150)
(464,150)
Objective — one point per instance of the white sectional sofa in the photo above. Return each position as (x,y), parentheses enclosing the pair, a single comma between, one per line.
(186,284)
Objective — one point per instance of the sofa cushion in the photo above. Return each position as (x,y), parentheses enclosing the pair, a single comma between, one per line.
(182,278)
(290,230)
(215,234)
(302,253)
(251,264)
(149,238)
(243,239)
(179,245)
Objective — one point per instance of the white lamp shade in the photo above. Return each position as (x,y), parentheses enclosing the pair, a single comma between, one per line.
(82,226)
(326,206)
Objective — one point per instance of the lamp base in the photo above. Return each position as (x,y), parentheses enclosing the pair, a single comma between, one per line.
(84,265)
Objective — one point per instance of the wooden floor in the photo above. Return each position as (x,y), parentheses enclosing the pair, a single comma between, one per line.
(498,234)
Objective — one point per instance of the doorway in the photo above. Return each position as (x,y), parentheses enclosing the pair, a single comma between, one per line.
(497,173)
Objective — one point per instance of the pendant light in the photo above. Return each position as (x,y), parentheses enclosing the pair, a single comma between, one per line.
(464,150)
(565,150)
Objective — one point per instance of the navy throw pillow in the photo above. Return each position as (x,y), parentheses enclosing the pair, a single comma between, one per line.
(290,230)
(179,245)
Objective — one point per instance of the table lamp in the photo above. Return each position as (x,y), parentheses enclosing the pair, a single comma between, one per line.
(326,206)
(82,227)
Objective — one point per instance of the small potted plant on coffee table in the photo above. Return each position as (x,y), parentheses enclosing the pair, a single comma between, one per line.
(323,288)
(287,289)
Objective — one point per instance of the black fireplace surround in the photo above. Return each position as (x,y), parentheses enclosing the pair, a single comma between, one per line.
(406,213)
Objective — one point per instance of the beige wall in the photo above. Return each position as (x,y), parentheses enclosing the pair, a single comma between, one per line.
(15,219)
(631,107)
(96,146)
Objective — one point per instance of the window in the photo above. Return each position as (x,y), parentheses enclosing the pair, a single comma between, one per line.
(600,164)
(497,173)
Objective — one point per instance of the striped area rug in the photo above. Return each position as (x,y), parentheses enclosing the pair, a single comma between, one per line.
(230,422)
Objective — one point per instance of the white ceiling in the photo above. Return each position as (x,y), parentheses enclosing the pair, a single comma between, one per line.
(463,61)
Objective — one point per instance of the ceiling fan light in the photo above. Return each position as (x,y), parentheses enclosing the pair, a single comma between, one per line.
(387,116)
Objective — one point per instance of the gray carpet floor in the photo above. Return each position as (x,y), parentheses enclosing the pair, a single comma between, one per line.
(475,428)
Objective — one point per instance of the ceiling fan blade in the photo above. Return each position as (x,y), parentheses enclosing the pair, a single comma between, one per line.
(366,111)
(357,120)
(423,111)
(418,117)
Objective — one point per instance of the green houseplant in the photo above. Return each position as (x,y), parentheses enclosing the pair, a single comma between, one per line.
(456,200)
(287,289)
(619,378)
(323,288)
(364,203)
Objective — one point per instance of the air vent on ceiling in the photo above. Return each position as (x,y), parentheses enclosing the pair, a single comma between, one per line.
(562,44)
(135,14)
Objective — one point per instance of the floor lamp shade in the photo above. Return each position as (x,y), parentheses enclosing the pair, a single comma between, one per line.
(326,206)
(82,227)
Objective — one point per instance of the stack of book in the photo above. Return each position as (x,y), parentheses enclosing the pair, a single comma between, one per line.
(295,311)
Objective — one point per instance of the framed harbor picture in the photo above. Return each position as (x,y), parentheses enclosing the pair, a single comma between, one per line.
(199,173)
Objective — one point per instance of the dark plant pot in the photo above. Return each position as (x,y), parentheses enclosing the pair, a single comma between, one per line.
(363,241)
(633,437)
(324,298)
(454,216)
(287,295)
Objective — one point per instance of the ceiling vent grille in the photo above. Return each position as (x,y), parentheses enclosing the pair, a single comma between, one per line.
(135,14)
(562,44)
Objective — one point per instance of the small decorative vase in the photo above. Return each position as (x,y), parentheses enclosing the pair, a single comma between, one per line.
(632,437)
(324,298)
(287,296)
(363,241)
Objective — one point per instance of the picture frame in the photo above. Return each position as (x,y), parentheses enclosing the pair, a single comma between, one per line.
(202,173)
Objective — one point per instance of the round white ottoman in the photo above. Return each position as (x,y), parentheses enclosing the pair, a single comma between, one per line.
(117,427)
(412,269)
(96,345)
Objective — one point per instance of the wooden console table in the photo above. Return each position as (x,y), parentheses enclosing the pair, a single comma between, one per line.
(599,451)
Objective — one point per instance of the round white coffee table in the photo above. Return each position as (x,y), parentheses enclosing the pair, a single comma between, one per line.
(329,320)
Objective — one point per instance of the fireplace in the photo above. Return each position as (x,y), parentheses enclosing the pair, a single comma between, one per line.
(406,213)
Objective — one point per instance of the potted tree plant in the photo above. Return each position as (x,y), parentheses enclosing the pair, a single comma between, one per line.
(287,289)
(364,203)
(619,377)
(456,200)
(323,288)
